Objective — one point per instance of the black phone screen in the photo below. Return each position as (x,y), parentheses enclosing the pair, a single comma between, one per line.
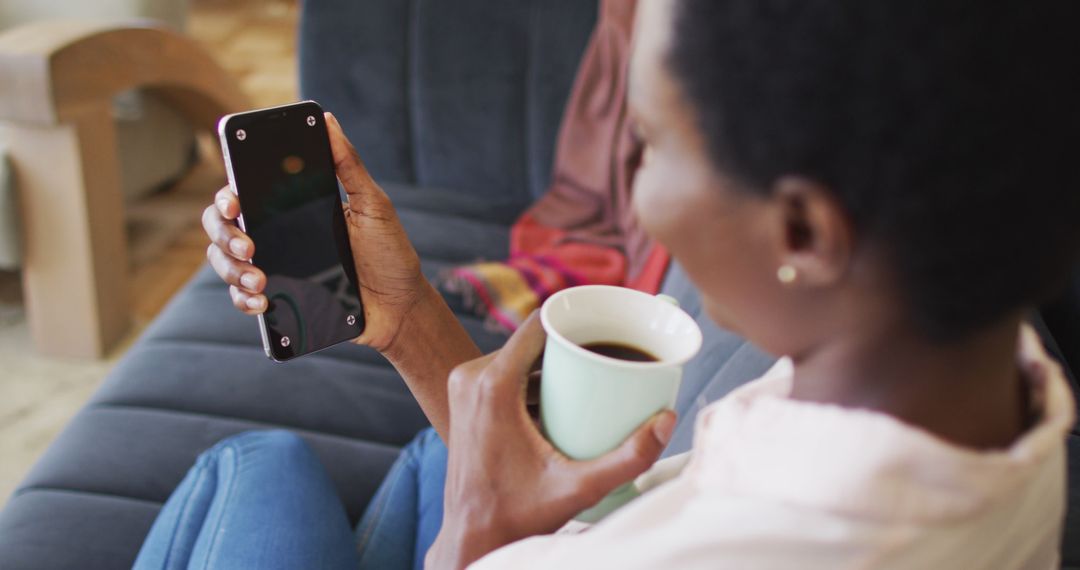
(283,172)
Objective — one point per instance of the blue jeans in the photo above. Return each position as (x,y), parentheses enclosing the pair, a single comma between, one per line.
(261,499)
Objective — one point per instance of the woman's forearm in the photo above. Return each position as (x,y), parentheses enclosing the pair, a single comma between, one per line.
(430,343)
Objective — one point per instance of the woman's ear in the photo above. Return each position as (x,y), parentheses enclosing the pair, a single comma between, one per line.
(816,237)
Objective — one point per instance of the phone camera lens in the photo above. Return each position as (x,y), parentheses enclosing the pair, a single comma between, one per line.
(311,120)
(241,134)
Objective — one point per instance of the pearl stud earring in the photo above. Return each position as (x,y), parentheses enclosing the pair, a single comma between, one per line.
(787,274)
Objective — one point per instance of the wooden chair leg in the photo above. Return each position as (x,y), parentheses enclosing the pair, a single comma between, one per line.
(57,80)
(76,268)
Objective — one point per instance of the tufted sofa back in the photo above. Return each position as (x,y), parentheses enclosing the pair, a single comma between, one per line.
(464,96)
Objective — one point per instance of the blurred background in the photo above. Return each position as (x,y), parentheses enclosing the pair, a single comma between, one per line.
(168,175)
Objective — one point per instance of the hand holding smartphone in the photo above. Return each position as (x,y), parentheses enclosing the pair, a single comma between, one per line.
(280,165)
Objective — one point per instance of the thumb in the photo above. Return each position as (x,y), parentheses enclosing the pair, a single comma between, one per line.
(347,164)
(633,457)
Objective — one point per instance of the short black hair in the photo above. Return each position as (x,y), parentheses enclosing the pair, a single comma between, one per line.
(946,129)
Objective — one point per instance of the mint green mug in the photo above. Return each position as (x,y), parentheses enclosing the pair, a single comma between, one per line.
(589,403)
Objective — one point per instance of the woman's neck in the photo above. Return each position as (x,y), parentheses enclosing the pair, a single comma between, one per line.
(969,393)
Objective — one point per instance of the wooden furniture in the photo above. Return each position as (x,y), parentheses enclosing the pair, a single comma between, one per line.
(56,82)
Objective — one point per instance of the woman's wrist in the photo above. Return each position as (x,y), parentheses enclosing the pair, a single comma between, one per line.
(426,346)
(407,337)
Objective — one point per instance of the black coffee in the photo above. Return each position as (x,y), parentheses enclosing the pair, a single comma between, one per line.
(620,351)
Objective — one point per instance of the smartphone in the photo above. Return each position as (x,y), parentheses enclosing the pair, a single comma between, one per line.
(279,165)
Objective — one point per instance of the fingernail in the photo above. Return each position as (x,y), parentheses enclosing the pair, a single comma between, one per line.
(238,246)
(250,281)
(223,206)
(663,427)
(254,302)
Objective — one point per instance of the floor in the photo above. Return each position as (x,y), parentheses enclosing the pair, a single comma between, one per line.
(255,41)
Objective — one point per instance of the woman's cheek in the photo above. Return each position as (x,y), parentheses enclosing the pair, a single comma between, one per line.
(655,204)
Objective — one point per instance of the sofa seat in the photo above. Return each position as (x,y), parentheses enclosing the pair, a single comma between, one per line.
(198,374)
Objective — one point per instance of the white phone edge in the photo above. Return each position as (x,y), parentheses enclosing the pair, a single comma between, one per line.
(223,141)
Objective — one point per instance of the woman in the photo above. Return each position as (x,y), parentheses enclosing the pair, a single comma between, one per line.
(879,191)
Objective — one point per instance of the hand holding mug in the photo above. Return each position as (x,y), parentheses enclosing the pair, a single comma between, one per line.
(505,480)
(613,359)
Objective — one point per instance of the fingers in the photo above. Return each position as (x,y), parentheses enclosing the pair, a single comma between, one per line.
(227,203)
(633,457)
(225,236)
(237,273)
(230,251)
(516,359)
(247,303)
(222,231)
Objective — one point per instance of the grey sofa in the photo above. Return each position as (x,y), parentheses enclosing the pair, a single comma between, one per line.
(455,106)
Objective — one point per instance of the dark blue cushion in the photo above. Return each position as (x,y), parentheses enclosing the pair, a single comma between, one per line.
(48,529)
(462,96)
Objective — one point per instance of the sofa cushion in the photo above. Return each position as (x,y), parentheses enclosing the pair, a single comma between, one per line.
(143,454)
(454,95)
(453,239)
(467,204)
(47,529)
(320,393)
